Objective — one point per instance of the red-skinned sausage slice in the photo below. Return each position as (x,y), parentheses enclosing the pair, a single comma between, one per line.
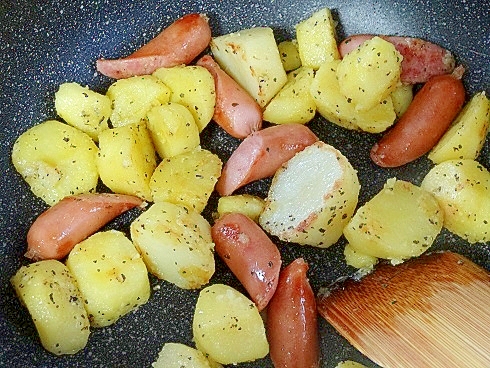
(235,111)
(292,326)
(179,43)
(429,115)
(260,154)
(249,253)
(57,230)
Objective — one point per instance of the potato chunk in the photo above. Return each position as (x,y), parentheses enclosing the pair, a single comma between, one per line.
(83,108)
(193,87)
(111,275)
(173,129)
(187,179)
(462,188)
(133,97)
(247,204)
(312,197)
(398,223)
(175,355)
(340,110)
(316,39)
(51,295)
(176,244)
(127,159)
(293,104)
(252,58)
(288,50)
(368,74)
(227,326)
(56,160)
(465,137)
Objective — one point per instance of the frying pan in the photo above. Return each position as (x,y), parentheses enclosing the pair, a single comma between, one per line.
(45,43)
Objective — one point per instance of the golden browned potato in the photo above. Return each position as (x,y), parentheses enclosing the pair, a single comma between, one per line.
(227,326)
(398,223)
(111,275)
(252,58)
(316,39)
(56,160)
(175,243)
(127,159)
(462,188)
(50,293)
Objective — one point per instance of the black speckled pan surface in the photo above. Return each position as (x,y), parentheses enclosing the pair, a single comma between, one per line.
(45,43)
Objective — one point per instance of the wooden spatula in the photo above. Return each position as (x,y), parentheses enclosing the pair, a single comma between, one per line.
(432,311)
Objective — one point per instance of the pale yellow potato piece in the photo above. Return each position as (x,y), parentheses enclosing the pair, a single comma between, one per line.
(187,179)
(111,275)
(399,222)
(56,160)
(252,58)
(227,326)
(312,197)
(173,129)
(316,39)
(127,159)
(288,50)
(175,243)
(370,73)
(340,110)
(293,104)
(176,355)
(83,108)
(50,293)
(247,204)
(359,260)
(193,87)
(133,97)
(462,188)
(465,137)
(402,97)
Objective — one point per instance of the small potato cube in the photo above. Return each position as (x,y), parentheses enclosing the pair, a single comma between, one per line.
(133,97)
(51,295)
(187,179)
(56,160)
(111,275)
(227,326)
(316,39)
(126,160)
(288,50)
(402,97)
(293,104)
(173,129)
(340,110)
(398,223)
(252,58)
(359,260)
(193,87)
(176,244)
(83,108)
(462,188)
(465,137)
(175,355)
(368,74)
(350,364)
(312,197)
(247,204)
